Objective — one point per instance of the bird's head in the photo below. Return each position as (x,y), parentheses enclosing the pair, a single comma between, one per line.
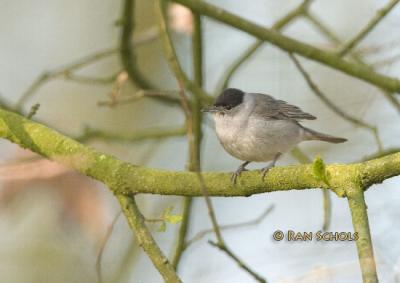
(227,100)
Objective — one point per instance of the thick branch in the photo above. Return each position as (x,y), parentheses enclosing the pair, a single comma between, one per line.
(129,178)
(286,43)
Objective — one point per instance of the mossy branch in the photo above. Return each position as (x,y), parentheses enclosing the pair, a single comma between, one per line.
(137,222)
(126,179)
(129,178)
(359,217)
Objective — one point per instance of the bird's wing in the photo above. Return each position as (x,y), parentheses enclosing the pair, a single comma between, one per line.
(271,108)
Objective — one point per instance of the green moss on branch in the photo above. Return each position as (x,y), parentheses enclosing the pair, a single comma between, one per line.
(129,178)
(137,223)
(359,217)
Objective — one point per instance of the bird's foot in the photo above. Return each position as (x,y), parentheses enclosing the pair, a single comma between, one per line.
(265,170)
(237,174)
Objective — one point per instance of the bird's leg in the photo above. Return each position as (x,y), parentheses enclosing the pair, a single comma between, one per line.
(265,170)
(239,171)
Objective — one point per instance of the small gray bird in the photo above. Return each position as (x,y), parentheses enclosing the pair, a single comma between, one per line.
(256,127)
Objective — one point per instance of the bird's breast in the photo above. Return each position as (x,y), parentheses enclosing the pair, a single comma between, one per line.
(256,139)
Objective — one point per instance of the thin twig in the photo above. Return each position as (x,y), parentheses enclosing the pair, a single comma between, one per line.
(181,242)
(210,208)
(201,234)
(354,55)
(379,154)
(127,262)
(292,45)
(217,231)
(278,25)
(174,64)
(33,111)
(331,105)
(195,146)
(387,61)
(156,133)
(193,120)
(127,50)
(67,71)
(377,48)
(103,245)
(326,197)
(348,46)
(90,80)
(169,95)
(239,262)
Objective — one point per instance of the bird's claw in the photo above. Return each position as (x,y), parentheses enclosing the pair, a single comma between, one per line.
(264,171)
(237,174)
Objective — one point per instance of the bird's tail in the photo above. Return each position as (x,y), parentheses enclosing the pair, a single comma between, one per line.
(313,135)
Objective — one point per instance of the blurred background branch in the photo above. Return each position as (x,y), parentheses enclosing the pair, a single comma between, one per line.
(295,46)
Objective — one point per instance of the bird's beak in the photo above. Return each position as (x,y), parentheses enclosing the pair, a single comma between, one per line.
(211,109)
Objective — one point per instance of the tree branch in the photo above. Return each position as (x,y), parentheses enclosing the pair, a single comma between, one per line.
(157,133)
(326,197)
(359,216)
(278,25)
(62,71)
(67,71)
(331,105)
(291,45)
(137,223)
(128,178)
(194,154)
(175,65)
(181,241)
(368,28)
(126,50)
(241,264)
(356,56)
(201,234)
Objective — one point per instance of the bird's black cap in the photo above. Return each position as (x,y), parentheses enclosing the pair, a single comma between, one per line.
(229,98)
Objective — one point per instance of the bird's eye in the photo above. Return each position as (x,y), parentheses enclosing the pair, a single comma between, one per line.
(228,107)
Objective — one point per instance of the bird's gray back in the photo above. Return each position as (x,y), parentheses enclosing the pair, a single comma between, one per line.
(270,108)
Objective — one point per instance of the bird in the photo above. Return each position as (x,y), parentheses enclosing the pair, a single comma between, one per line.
(256,127)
